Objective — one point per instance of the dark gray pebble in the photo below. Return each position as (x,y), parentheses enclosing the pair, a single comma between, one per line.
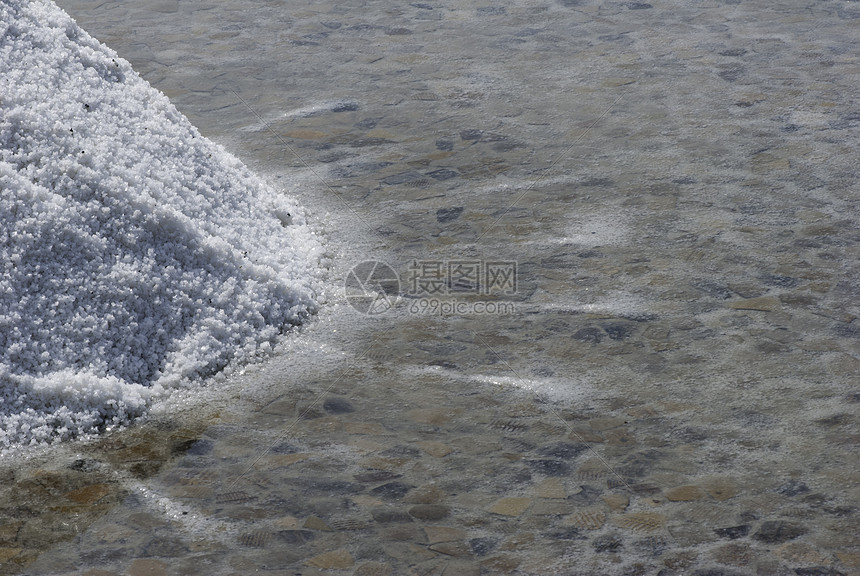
(401,178)
(586,495)
(89,465)
(563,450)
(429,511)
(777,531)
(444,215)
(549,467)
(284,448)
(442,174)
(619,331)
(591,334)
(337,406)
(392,490)
(482,546)
(793,488)
(345,107)
(733,532)
(376,476)
(606,543)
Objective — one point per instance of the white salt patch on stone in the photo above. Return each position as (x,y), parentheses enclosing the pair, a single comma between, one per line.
(810,119)
(556,390)
(596,230)
(322,107)
(617,303)
(136,255)
(559,390)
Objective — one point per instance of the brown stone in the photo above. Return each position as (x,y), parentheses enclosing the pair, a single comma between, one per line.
(436,534)
(603,424)
(583,434)
(589,519)
(429,494)
(147,567)
(510,506)
(9,531)
(436,449)
(456,549)
(501,563)
(720,488)
(736,554)
(765,162)
(409,552)
(316,523)
(551,488)
(679,560)
(335,560)
(429,511)
(281,407)
(799,553)
(551,508)
(433,416)
(642,521)
(381,463)
(850,559)
(287,523)
(521,541)
(685,494)
(619,437)
(114,532)
(617,502)
(402,533)
(272,461)
(89,494)
(363,428)
(7,554)
(325,425)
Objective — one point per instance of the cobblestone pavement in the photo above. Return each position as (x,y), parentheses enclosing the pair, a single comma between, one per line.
(669,388)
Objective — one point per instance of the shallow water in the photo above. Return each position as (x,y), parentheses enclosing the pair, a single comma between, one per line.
(670,385)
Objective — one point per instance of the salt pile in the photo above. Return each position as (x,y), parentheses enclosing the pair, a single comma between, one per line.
(137,256)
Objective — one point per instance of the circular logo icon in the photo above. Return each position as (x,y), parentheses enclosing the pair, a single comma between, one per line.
(372,287)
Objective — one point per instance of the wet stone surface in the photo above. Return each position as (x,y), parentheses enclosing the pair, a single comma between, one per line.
(673,388)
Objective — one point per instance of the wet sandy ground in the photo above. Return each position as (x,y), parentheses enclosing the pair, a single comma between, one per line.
(672,386)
